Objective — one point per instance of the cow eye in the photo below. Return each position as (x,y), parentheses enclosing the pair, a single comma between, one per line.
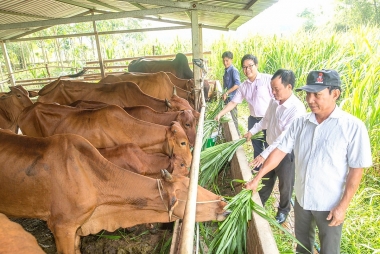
(187,125)
(182,165)
(183,143)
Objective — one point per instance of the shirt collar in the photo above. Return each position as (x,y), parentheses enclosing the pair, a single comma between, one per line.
(289,101)
(229,68)
(257,77)
(337,113)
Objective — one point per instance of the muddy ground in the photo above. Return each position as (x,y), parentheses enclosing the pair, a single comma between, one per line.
(140,239)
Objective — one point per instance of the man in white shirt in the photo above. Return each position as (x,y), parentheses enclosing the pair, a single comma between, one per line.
(331,148)
(282,110)
(257,92)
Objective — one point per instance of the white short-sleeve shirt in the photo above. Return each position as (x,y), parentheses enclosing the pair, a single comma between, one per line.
(323,155)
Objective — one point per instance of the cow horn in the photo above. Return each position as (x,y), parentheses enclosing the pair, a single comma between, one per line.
(168,103)
(166,175)
(174,90)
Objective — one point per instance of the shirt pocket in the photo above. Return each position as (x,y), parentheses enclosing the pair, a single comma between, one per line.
(336,148)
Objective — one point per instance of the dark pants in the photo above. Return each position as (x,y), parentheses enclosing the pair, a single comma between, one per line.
(258,145)
(285,172)
(305,223)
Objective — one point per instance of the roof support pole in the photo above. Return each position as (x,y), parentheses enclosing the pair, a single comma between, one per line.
(187,234)
(97,42)
(8,63)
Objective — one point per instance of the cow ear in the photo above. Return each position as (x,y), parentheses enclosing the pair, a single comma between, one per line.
(173,202)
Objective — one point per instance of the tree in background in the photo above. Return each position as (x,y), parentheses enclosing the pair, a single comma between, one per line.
(351,13)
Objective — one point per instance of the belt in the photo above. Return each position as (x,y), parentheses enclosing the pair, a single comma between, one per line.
(257,118)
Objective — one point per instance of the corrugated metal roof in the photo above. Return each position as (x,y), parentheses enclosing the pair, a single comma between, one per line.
(18,17)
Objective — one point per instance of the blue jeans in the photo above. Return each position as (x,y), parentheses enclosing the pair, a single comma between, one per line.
(258,145)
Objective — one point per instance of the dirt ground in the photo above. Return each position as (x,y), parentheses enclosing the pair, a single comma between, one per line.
(135,240)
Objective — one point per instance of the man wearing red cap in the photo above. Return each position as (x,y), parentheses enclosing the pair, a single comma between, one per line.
(331,148)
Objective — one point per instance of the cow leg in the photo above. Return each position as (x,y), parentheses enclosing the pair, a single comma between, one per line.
(66,239)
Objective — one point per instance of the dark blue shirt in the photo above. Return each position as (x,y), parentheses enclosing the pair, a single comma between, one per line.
(231,77)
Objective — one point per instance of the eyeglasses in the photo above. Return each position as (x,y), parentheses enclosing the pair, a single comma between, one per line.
(249,66)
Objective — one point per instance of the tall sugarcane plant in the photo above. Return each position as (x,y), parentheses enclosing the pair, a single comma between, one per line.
(213,160)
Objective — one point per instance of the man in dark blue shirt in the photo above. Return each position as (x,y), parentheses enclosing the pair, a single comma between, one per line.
(231,82)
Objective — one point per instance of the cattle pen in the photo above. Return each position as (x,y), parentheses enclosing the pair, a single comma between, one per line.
(22,20)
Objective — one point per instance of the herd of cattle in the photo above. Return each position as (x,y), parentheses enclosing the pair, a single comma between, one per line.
(103,155)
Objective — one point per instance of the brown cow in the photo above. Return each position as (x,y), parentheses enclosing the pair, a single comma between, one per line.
(30,94)
(14,239)
(11,105)
(178,66)
(105,127)
(123,94)
(186,84)
(184,117)
(133,158)
(65,181)
(157,85)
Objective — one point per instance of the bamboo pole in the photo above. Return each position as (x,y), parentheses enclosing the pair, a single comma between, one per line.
(97,42)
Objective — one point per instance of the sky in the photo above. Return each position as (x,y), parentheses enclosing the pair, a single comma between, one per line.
(279,18)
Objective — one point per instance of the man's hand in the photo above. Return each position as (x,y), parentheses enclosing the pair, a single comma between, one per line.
(257,162)
(225,95)
(247,136)
(217,118)
(252,185)
(336,215)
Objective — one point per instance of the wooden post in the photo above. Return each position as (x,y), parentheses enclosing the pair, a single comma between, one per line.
(97,42)
(190,209)
(47,70)
(8,64)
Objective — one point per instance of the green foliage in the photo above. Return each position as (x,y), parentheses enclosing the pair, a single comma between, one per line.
(351,13)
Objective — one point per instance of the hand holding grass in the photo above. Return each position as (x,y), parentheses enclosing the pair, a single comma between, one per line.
(253,184)
(248,136)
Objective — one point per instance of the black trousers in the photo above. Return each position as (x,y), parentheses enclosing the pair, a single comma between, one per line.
(285,171)
(258,145)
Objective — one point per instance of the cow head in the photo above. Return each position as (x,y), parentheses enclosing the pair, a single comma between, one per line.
(11,106)
(177,103)
(178,166)
(190,85)
(20,97)
(209,206)
(188,123)
(177,143)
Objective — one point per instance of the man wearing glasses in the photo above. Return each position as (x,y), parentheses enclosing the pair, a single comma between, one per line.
(257,91)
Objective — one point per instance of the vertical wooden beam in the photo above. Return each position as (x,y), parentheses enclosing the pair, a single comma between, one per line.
(97,42)
(187,238)
(196,46)
(8,63)
(200,41)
